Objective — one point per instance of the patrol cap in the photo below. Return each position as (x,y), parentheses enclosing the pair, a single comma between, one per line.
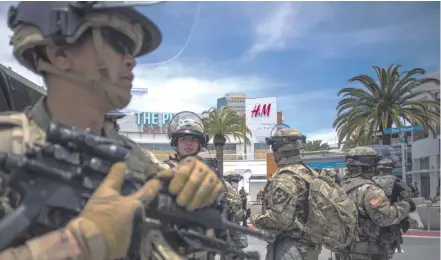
(63,23)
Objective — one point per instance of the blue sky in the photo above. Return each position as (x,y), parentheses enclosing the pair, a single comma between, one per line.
(301,52)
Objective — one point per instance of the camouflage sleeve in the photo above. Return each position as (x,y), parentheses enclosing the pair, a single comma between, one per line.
(144,161)
(380,210)
(234,202)
(57,245)
(280,211)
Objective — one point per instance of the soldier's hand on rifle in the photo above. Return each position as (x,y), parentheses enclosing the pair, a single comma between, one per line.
(105,226)
(195,184)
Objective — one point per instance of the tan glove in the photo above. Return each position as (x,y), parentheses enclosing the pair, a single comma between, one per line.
(104,227)
(195,184)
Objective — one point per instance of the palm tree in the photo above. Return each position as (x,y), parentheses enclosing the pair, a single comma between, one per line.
(316,145)
(222,124)
(391,100)
(359,137)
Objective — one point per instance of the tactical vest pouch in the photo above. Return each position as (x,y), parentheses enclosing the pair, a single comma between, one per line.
(332,216)
(16,133)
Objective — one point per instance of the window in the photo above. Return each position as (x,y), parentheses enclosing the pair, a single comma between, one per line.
(261,146)
(424,163)
(229,147)
(419,135)
(258,177)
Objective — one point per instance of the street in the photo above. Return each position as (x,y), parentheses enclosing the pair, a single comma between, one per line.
(427,248)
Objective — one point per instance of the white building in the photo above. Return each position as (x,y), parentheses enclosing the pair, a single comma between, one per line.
(426,151)
(149,129)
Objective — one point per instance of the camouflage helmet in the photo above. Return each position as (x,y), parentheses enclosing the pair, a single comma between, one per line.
(63,23)
(284,138)
(386,156)
(232,176)
(362,156)
(186,123)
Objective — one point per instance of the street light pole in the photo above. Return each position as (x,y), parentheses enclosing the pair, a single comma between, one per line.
(403,156)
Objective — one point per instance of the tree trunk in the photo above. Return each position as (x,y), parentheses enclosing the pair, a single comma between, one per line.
(219,143)
(386,138)
(245,150)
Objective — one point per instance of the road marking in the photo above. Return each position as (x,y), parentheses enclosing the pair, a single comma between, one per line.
(428,237)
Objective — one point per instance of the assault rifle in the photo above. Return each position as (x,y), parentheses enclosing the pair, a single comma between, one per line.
(63,173)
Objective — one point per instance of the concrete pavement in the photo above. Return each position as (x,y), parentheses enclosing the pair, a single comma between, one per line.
(427,248)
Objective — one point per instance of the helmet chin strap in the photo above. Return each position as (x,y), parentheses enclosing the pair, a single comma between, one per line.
(117,96)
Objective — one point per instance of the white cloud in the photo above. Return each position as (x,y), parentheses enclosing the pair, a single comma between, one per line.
(326,135)
(176,87)
(172,87)
(285,23)
(272,32)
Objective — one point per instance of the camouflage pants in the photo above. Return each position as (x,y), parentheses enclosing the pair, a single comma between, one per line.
(369,250)
(288,248)
(356,256)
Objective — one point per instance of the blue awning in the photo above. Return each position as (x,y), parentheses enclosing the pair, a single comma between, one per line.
(322,165)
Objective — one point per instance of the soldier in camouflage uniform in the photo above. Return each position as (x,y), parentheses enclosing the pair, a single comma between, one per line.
(284,208)
(236,212)
(391,236)
(86,60)
(259,197)
(111,119)
(374,209)
(332,173)
(186,134)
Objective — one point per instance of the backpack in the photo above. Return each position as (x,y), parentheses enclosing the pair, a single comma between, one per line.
(332,215)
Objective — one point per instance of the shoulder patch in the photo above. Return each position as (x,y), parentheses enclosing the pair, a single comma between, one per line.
(279,196)
(377,199)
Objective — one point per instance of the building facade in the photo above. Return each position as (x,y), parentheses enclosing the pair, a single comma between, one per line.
(149,130)
(425,149)
(235,101)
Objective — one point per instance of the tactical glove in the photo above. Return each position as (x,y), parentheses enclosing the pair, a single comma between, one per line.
(194,184)
(104,228)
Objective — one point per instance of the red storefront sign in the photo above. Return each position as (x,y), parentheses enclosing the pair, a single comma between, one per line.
(261,110)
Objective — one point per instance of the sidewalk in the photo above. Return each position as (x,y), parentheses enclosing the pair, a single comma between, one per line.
(421,232)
